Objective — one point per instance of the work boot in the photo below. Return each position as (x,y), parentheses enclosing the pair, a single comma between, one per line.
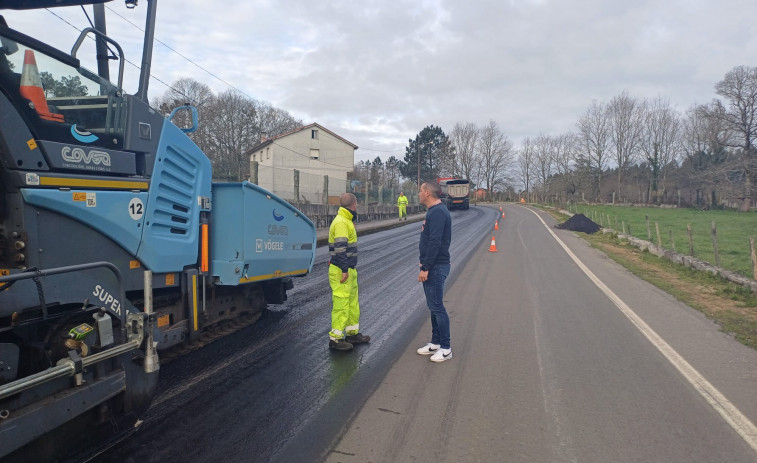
(340,344)
(358,338)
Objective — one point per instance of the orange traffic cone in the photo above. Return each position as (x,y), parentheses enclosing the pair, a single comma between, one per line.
(503,214)
(31,88)
(496,225)
(493,246)
(500,208)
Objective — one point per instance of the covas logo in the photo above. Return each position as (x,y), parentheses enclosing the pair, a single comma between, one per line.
(82,135)
(277,217)
(78,156)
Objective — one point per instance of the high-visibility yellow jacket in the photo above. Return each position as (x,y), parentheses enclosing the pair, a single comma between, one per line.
(343,240)
(402,200)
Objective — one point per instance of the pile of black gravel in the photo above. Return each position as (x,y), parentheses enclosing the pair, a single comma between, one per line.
(579,223)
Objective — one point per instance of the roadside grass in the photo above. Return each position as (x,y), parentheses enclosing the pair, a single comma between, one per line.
(733,231)
(732,307)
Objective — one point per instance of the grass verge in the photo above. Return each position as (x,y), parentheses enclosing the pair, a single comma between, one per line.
(732,307)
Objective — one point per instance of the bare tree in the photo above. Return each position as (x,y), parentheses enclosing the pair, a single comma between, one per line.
(526,163)
(233,127)
(189,91)
(739,113)
(229,124)
(392,170)
(464,138)
(594,141)
(274,121)
(660,142)
(564,149)
(703,143)
(626,117)
(184,91)
(544,160)
(496,155)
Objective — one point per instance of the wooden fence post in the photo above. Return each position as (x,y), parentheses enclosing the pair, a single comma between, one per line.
(754,257)
(715,244)
(649,232)
(691,242)
(657,228)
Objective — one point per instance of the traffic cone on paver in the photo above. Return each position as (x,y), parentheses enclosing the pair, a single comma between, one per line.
(496,225)
(493,246)
(500,208)
(503,214)
(31,88)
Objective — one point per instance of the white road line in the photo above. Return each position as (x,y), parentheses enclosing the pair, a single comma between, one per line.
(737,420)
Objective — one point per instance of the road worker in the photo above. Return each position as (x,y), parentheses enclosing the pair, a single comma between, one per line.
(402,205)
(345,314)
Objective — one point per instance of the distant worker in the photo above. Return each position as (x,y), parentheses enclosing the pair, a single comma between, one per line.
(402,205)
(345,314)
(436,235)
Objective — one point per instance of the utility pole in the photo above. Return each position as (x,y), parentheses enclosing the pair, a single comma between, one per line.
(418,152)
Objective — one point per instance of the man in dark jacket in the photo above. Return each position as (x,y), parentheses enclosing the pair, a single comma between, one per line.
(436,235)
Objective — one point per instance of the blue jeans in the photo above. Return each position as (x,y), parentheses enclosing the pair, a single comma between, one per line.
(434,289)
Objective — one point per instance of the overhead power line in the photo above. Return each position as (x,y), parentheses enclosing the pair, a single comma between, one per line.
(92,38)
(398,150)
(173,50)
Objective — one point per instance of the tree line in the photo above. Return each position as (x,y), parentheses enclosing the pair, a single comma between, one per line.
(230,124)
(627,149)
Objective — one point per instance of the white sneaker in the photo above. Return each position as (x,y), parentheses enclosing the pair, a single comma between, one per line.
(428,349)
(442,355)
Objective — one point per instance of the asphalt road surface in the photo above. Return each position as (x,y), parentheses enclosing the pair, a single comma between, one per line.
(561,355)
(274,391)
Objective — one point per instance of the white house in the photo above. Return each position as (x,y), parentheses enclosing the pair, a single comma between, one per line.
(312,150)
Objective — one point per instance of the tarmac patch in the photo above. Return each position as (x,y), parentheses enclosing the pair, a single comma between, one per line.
(579,223)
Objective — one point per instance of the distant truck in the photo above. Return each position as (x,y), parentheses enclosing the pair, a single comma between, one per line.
(455,192)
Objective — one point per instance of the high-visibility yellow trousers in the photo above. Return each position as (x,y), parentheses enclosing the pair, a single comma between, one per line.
(345,313)
(403,210)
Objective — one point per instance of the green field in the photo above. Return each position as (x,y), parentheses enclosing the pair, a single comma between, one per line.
(733,231)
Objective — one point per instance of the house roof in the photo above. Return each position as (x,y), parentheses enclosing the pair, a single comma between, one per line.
(270,141)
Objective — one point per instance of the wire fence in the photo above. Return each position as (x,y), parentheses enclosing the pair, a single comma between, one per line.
(300,187)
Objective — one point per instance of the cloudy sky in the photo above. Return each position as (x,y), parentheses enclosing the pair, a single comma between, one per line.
(377,71)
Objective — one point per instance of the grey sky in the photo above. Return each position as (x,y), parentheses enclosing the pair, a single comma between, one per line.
(377,72)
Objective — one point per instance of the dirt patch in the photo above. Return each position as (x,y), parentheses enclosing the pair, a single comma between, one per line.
(579,223)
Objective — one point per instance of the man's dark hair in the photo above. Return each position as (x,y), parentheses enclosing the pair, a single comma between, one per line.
(433,188)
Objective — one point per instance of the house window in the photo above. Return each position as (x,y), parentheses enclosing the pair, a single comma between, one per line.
(314,134)
(254,158)
(268,153)
(315,154)
(261,155)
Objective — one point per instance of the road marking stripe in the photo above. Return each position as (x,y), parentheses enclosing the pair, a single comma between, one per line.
(737,420)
